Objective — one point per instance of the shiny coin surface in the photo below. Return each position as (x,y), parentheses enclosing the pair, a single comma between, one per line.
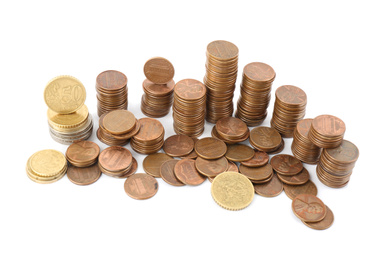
(260,158)
(159,70)
(119,122)
(308,208)
(210,148)
(186,172)
(84,175)
(322,224)
(211,168)
(167,172)
(265,139)
(271,188)
(152,163)
(115,158)
(298,179)
(141,186)
(294,190)
(257,173)
(82,153)
(47,163)
(178,145)
(239,152)
(286,164)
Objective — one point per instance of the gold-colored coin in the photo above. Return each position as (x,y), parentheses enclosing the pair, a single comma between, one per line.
(47,163)
(67,120)
(64,94)
(232,190)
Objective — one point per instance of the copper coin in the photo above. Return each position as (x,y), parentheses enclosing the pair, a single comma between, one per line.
(298,179)
(210,148)
(328,125)
(167,172)
(257,173)
(291,95)
(84,175)
(271,188)
(346,153)
(222,50)
(231,127)
(265,138)
(159,70)
(178,145)
(152,163)
(232,167)
(111,80)
(294,190)
(141,186)
(115,158)
(82,152)
(150,129)
(260,158)
(119,122)
(323,224)
(286,164)
(186,172)
(239,152)
(258,71)
(131,171)
(308,208)
(190,89)
(211,168)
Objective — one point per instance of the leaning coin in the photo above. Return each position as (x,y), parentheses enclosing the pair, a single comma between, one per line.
(308,208)
(167,173)
(298,179)
(186,172)
(323,224)
(294,190)
(153,162)
(286,164)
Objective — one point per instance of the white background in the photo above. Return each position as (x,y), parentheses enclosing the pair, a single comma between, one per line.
(337,52)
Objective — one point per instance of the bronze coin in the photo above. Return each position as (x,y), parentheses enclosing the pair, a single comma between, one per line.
(298,179)
(115,158)
(158,89)
(286,164)
(186,172)
(323,224)
(119,122)
(260,158)
(239,152)
(258,71)
(231,127)
(150,129)
(210,148)
(308,208)
(111,80)
(190,89)
(152,163)
(256,173)
(294,190)
(232,167)
(141,186)
(211,168)
(346,153)
(328,125)
(265,138)
(222,50)
(131,171)
(159,70)
(84,175)
(81,152)
(271,188)
(291,95)
(178,145)
(167,172)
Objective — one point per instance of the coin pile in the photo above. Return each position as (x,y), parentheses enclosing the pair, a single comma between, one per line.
(289,109)
(150,137)
(266,139)
(82,153)
(327,131)
(111,88)
(257,79)
(46,166)
(117,161)
(231,130)
(301,146)
(336,164)
(178,145)
(189,107)
(220,79)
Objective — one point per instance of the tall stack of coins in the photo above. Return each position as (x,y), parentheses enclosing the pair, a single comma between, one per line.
(257,79)
(231,130)
(150,137)
(111,88)
(289,109)
(116,161)
(220,79)
(301,146)
(68,117)
(336,164)
(327,131)
(266,139)
(189,107)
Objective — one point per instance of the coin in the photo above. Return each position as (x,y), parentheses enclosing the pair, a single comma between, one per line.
(168,174)
(260,158)
(150,137)
(118,122)
(115,159)
(232,167)
(322,224)
(231,130)
(232,191)
(141,186)
(131,171)
(210,148)
(269,189)
(327,131)
(308,208)
(70,120)
(293,190)
(82,153)
(159,70)
(186,172)
(286,164)
(152,163)
(84,175)
(178,145)
(158,98)
(298,179)
(211,168)
(256,173)
(264,138)
(239,152)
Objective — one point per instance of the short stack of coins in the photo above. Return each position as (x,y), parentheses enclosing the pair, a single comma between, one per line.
(116,161)
(68,116)
(220,79)
(158,87)
(289,109)
(266,139)
(256,84)
(327,131)
(111,88)
(189,107)
(82,153)
(301,146)
(150,137)
(231,130)
(336,164)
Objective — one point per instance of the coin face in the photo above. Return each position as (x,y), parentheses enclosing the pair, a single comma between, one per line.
(260,158)
(258,71)
(286,164)
(298,179)
(119,122)
(271,188)
(178,145)
(111,80)
(347,152)
(150,129)
(115,158)
(294,190)
(47,163)
(291,95)
(265,138)
(222,50)
(84,175)
(322,224)
(239,152)
(232,191)
(231,127)
(308,208)
(210,148)
(82,151)
(211,168)
(64,94)
(303,126)
(167,172)
(257,173)
(141,186)
(159,70)
(328,125)
(186,172)
(190,89)
(152,163)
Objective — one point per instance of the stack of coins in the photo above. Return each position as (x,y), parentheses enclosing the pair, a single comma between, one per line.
(301,146)
(111,88)
(46,166)
(266,139)
(150,137)
(327,131)
(220,79)
(82,153)
(68,117)
(158,87)
(336,164)
(257,79)
(289,109)
(117,161)
(231,130)
(189,107)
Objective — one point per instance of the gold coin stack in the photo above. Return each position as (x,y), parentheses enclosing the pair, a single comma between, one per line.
(257,79)
(289,109)
(231,130)
(150,137)
(336,164)
(327,131)
(189,107)
(220,79)
(301,146)
(158,98)
(46,166)
(111,88)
